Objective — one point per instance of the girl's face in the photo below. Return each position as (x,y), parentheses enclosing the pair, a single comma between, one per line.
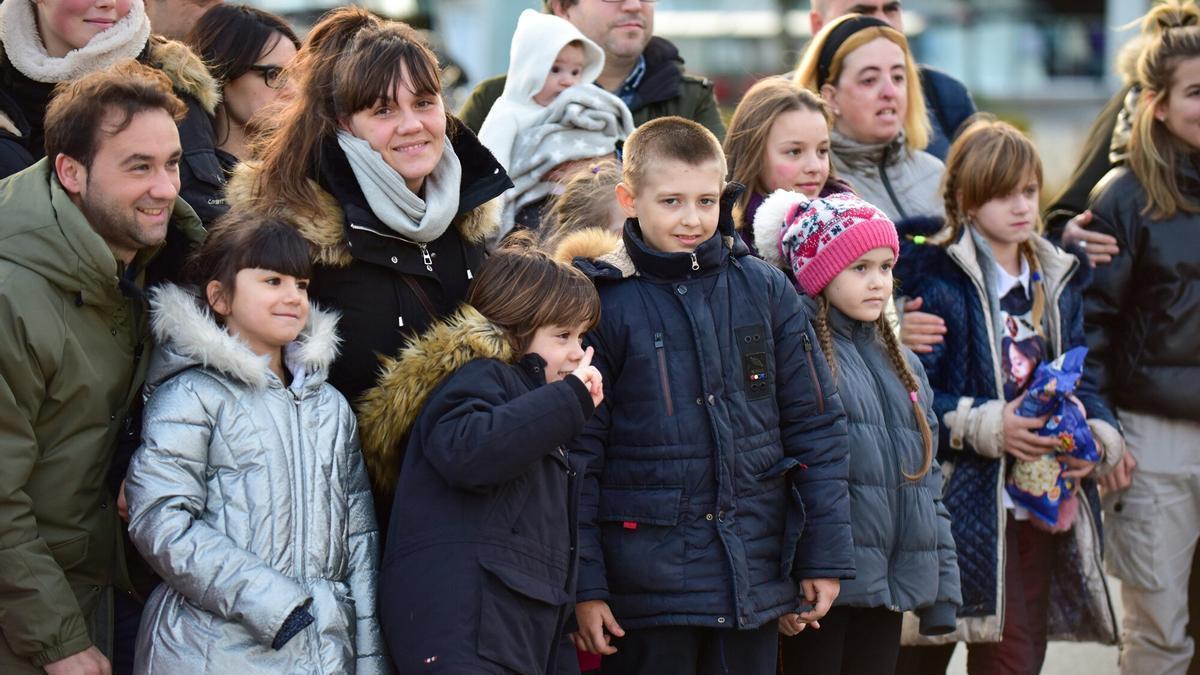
(409,131)
(265,309)
(870,98)
(561,347)
(861,291)
(796,156)
(65,25)
(1008,220)
(245,96)
(1180,113)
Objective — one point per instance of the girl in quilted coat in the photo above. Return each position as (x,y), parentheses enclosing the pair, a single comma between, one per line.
(1004,290)
(841,250)
(249,495)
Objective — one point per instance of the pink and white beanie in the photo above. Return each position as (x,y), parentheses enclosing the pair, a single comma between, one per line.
(817,238)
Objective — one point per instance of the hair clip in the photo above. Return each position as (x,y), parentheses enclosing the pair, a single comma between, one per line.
(595,168)
(919,239)
(913,395)
(1036,276)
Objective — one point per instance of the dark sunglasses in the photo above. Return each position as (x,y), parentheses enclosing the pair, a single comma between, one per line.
(271,75)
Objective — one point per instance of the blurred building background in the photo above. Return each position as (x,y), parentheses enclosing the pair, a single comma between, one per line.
(1046,65)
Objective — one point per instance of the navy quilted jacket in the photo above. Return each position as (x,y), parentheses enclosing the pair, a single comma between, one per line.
(718,461)
(953,282)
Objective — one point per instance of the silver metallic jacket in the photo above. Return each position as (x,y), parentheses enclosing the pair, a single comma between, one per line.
(250,498)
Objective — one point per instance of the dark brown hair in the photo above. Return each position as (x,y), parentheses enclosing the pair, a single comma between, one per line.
(74,119)
(351,61)
(241,240)
(521,289)
(891,344)
(669,138)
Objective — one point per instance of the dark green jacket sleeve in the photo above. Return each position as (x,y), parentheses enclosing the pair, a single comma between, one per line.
(480,102)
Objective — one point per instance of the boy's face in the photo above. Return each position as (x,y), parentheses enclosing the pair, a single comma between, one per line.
(677,205)
(566,71)
(561,347)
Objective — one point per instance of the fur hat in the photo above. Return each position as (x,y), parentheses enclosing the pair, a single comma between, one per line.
(818,238)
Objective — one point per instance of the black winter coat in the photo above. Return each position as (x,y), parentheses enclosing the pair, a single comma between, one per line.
(718,462)
(479,568)
(1143,309)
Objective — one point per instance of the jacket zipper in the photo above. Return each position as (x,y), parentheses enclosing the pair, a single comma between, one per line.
(426,256)
(665,383)
(695,262)
(812,369)
(887,183)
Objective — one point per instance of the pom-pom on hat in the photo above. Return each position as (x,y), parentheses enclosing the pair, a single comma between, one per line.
(817,238)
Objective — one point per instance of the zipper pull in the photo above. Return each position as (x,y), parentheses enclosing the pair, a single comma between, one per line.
(807,342)
(695,263)
(658,340)
(425,257)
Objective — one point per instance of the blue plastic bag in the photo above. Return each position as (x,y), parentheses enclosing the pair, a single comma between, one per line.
(1039,486)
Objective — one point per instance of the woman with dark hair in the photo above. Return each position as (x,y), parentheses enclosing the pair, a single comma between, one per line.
(246,50)
(395,197)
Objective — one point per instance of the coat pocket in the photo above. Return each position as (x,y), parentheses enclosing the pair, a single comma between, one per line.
(793,525)
(71,552)
(644,551)
(1132,540)
(518,618)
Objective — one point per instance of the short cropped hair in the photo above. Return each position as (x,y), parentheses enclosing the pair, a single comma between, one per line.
(75,115)
(670,138)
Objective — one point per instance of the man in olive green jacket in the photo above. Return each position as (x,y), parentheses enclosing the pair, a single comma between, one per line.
(76,230)
(644,71)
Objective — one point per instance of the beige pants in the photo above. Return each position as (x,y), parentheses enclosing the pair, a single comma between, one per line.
(1150,533)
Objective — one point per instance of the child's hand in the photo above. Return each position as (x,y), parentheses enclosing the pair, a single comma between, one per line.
(597,626)
(920,331)
(821,593)
(1076,468)
(792,624)
(591,378)
(1020,434)
(1121,476)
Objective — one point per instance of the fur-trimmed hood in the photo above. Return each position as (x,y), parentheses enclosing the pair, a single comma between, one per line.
(188,336)
(387,411)
(186,71)
(325,229)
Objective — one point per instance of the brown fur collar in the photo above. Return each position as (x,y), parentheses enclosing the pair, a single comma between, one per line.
(325,230)
(185,70)
(596,244)
(388,411)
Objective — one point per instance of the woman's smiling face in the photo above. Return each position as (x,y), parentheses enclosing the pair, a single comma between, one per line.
(66,25)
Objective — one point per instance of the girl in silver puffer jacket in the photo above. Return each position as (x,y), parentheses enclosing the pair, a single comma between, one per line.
(249,495)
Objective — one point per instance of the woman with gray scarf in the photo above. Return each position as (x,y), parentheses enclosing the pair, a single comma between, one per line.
(395,197)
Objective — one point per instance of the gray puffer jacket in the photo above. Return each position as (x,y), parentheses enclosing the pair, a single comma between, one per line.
(903,549)
(251,499)
(900,182)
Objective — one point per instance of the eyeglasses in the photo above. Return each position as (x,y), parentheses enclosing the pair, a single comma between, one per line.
(271,75)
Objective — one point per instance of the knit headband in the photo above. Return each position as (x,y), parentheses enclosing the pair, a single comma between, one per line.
(837,37)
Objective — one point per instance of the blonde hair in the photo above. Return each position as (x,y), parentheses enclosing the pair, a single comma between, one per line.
(586,202)
(746,140)
(1155,154)
(891,344)
(991,159)
(668,138)
(916,118)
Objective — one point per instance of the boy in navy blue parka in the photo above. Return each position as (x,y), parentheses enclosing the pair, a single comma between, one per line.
(715,500)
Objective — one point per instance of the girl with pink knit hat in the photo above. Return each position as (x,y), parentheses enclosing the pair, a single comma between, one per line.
(841,251)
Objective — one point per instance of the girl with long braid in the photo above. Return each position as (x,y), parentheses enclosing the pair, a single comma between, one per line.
(841,251)
(1010,300)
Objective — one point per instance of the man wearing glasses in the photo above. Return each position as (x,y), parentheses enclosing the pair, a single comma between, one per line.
(644,71)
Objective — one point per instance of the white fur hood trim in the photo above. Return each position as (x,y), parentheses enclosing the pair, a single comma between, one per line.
(769,223)
(190,336)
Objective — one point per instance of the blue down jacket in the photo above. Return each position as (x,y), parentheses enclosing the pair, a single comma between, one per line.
(479,563)
(964,371)
(903,549)
(718,460)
